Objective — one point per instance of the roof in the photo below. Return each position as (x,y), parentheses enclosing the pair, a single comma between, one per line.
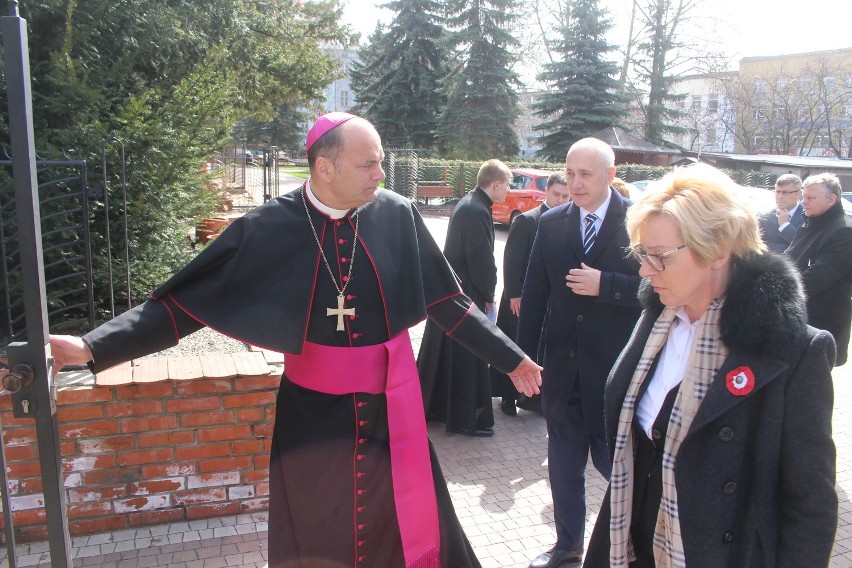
(622,140)
(782,160)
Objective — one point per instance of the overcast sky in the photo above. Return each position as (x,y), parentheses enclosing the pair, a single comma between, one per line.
(747,27)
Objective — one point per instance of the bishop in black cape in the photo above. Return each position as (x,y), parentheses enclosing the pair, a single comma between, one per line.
(263,281)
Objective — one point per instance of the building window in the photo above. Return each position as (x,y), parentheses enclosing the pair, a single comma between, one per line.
(344,99)
(710,136)
(712,103)
(805,82)
(760,86)
(779,112)
(781,83)
(759,113)
(696,103)
(848,110)
(828,82)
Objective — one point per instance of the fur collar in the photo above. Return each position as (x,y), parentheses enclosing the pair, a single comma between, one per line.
(764,311)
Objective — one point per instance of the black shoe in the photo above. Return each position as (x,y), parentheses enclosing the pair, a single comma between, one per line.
(478,433)
(508,407)
(532,403)
(556,557)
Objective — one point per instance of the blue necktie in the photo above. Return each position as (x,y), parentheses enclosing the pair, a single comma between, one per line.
(590,232)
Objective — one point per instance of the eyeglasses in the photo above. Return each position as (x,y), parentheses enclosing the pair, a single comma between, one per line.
(655,261)
(779,192)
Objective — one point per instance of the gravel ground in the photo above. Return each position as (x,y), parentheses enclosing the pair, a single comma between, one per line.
(205,340)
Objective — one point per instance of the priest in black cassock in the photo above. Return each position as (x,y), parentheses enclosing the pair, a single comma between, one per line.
(332,274)
(456,383)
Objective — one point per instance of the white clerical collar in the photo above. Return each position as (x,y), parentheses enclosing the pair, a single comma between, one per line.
(600,212)
(331,212)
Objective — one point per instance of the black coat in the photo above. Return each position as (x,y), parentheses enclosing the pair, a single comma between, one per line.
(583,335)
(822,249)
(776,240)
(755,473)
(469,246)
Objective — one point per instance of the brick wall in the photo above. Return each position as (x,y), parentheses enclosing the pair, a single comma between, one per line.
(148,453)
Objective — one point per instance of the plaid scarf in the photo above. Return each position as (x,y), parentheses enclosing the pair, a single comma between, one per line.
(705,358)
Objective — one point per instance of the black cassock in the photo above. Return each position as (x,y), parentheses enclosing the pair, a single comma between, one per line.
(456,383)
(264,282)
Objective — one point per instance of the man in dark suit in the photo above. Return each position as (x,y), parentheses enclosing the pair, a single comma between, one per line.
(822,249)
(516,255)
(456,384)
(581,285)
(779,226)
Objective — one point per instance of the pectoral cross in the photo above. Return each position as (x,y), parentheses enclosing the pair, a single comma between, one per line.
(340,312)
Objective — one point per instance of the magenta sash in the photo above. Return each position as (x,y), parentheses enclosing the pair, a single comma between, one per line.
(387,368)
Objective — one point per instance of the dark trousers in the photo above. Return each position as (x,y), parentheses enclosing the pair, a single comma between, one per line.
(568,449)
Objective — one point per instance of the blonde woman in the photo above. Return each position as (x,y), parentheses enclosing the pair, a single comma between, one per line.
(718,411)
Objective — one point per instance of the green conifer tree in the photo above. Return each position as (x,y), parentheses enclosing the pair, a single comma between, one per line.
(583,95)
(396,80)
(478,121)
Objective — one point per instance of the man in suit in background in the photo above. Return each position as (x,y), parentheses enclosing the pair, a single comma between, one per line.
(515,258)
(779,226)
(582,287)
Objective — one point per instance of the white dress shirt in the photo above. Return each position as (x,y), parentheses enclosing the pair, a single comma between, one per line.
(600,212)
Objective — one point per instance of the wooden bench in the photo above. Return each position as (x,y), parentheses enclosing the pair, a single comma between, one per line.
(426,191)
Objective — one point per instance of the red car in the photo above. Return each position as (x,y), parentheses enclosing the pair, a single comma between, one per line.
(527,192)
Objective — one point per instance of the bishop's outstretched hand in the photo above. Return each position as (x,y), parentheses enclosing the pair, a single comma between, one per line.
(527,377)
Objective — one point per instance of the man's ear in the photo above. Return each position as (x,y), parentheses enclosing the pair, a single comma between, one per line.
(324,167)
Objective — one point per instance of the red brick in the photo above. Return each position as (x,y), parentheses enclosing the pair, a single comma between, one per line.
(270,414)
(145,518)
(261,462)
(29,517)
(19,436)
(77,413)
(168,470)
(5,399)
(158,391)
(99,525)
(110,476)
(142,503)
(82,510)
(253,505)
(157,486)
(193,403)
(98,493)
(146,456)
(262,430)
(204,386)
(137,409)
(30,534)
(129,425)
(213,480)
(212,510)
(262,489)
(20,470)
(10,421)
(255,476)
(104,445)
(247,447)
(203,451)
(224,464)
(25,486)
(207,418)
(20,453)
(91,429)
(196,496)
(236,432)
(262,382)
(165,439)
(254,414)
(67,447)
(249,399)
(83,395)
(87,463)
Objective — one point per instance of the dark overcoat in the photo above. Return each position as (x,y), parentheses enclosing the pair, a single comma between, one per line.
(755,473)
(582,335)
(822,249)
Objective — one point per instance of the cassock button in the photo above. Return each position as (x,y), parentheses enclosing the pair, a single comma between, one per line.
(362,423)
(346,279)
(344,259)
(351,296)
(360,474)
(361,558)
(356,335)
(359,457)
(362,526)
(352,317)
(337,223)
(361,543)
(361,404)
(360,492)
(362,441)
(361,509)
(341,241)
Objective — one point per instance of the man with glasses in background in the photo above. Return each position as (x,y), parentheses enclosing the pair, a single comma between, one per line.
(822,249)
(779,226)
(580,300)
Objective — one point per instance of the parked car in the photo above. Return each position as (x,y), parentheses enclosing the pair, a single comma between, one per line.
(641,184)
(527,192)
